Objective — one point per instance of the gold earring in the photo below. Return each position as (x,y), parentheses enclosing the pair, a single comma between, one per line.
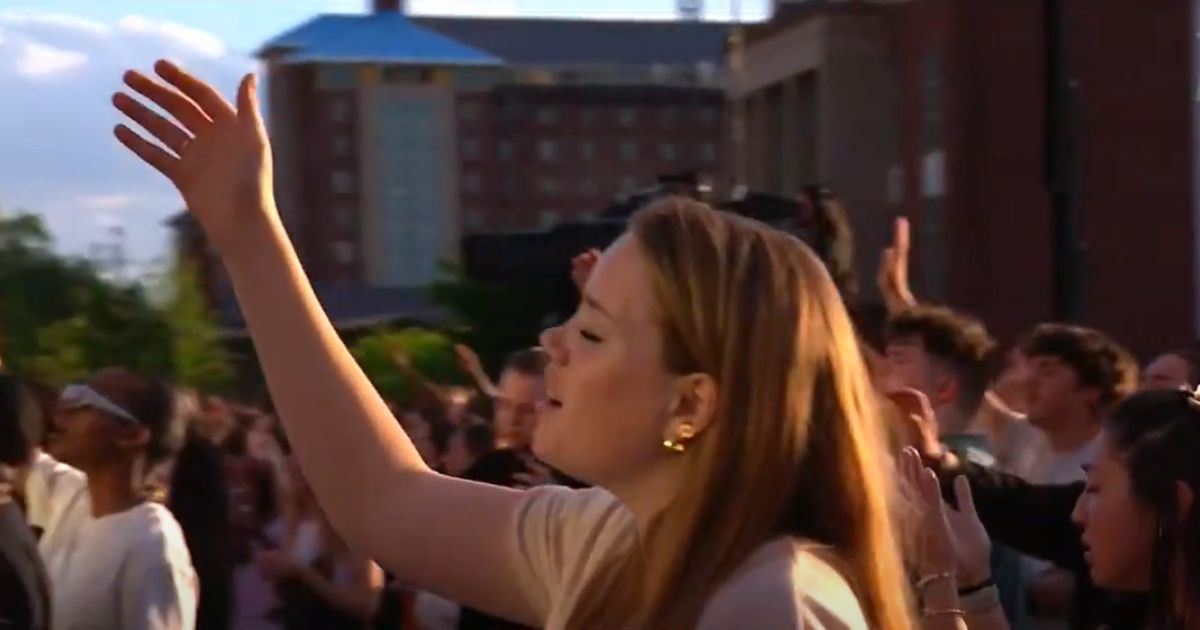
(679,444)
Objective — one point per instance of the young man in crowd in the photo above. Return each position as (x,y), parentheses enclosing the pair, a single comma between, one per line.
(1077,376)
(24,588)
(115,560)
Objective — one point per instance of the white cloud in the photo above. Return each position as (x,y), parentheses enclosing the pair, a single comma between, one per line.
(59,156)
(38,61)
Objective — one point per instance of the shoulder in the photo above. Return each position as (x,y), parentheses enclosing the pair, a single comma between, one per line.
(785,585)
(156,539)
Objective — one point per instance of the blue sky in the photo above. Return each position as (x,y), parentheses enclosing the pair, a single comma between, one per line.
(60,60)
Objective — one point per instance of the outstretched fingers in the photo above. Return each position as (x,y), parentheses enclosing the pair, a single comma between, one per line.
(210,101)
(150,153)
(164,130)
(177,105)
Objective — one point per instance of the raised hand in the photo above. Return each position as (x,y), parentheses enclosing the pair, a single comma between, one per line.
(920,421)
(893,270)
(216,155)
(468,360)
(952,541)
(582,266)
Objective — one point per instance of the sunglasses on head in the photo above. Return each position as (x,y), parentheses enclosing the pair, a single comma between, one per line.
(79,396)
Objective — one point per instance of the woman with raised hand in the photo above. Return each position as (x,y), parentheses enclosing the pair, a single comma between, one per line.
(710,386)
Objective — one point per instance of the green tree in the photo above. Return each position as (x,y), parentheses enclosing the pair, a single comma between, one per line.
(200,359)
(494,320)
(431,353)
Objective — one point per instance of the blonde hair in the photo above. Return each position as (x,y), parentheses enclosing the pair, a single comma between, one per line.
(795,447)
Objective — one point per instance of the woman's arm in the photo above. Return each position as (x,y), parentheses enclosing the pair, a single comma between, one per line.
(364,470)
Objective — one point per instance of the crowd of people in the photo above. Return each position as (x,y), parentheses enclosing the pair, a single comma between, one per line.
(709,442)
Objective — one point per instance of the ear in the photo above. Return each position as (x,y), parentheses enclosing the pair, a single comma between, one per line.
(133,438)
(693,407)
(1184,500)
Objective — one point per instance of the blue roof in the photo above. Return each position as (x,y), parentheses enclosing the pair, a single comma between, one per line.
(384,37)
(392,37)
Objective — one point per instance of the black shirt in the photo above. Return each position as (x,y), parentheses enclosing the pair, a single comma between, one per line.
(24,594)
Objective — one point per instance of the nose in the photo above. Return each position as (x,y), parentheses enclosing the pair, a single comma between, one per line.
(1079,514)
(552,340)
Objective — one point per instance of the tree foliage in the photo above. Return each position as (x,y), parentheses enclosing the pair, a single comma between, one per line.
(200,359)
(430,353)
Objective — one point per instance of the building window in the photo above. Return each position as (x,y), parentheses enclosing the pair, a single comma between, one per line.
(468,112)
(707,115)
(343,252)
(629,150)
(627,117)
(547,115)
(548,186)
(470,149)
(587,150)
(587,115)
(505,150)
(341,145)
(343,217)
(667,152)
(629,184)
(548,219)
(547,150)
(339,111)
(341,182)
(587,188)
(472,183)
(708,151)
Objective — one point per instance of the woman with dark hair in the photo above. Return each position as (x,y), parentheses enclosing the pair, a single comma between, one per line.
(1141,527)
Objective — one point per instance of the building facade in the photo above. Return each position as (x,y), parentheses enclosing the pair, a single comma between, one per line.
(950,112)
(396,135)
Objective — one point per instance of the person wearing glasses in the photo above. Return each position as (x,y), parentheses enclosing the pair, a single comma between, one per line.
(115,559)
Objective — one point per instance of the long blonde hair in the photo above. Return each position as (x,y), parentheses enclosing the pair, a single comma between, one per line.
(795,447)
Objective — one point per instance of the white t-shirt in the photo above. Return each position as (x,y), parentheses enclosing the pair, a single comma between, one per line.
(563,536)
(129,570)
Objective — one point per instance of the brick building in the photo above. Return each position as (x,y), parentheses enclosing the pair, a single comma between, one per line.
(397,135)
(941,110)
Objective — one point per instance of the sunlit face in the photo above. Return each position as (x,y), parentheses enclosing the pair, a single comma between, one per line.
(1118,529)
(1055,393)
(607,379)
(1169,371)
(515,416)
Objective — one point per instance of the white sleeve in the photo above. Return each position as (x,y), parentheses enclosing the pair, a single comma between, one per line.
(157,594)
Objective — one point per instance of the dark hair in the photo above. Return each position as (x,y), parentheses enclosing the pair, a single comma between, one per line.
(152,403)
(1097,360)
(833,239)
(1157,434)
(22,423)
(530,362)
(478,438)
(960,341)
(199,500)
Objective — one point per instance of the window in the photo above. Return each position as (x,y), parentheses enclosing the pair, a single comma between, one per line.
(707,115)
(343,252)
(506,150)
(627,116)
(339,110)
(547,115)
(629,150)
(667,152)
(343,217)
(341,145)
(342,182)
(548,186)
(472,183)
(587,150)
(708,151)
(470,149)
(629,184)
(931,93)
(587,188)
(669,116)
(468,112)
(546,150)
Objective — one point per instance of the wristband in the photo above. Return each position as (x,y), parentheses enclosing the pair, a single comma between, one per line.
(963,592)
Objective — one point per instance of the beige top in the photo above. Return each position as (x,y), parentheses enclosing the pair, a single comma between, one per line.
(563,536)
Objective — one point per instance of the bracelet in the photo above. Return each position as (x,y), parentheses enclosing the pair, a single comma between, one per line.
(963,592)
(943,612)
(934,577)
(981,601)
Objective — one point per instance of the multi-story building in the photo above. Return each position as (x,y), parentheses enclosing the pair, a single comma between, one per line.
(1044,149)
(396,135)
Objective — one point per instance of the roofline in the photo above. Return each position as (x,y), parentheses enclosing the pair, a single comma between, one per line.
(303,59)
(552,18)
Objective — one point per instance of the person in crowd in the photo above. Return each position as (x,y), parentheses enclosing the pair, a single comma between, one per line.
(115,560)
(321,583)
(24,588)
(1138,512)
(469,444)
(518,393)
(710,386)
(1172,370)
(198,497)
(429,437)
(951,554)
(251,481)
